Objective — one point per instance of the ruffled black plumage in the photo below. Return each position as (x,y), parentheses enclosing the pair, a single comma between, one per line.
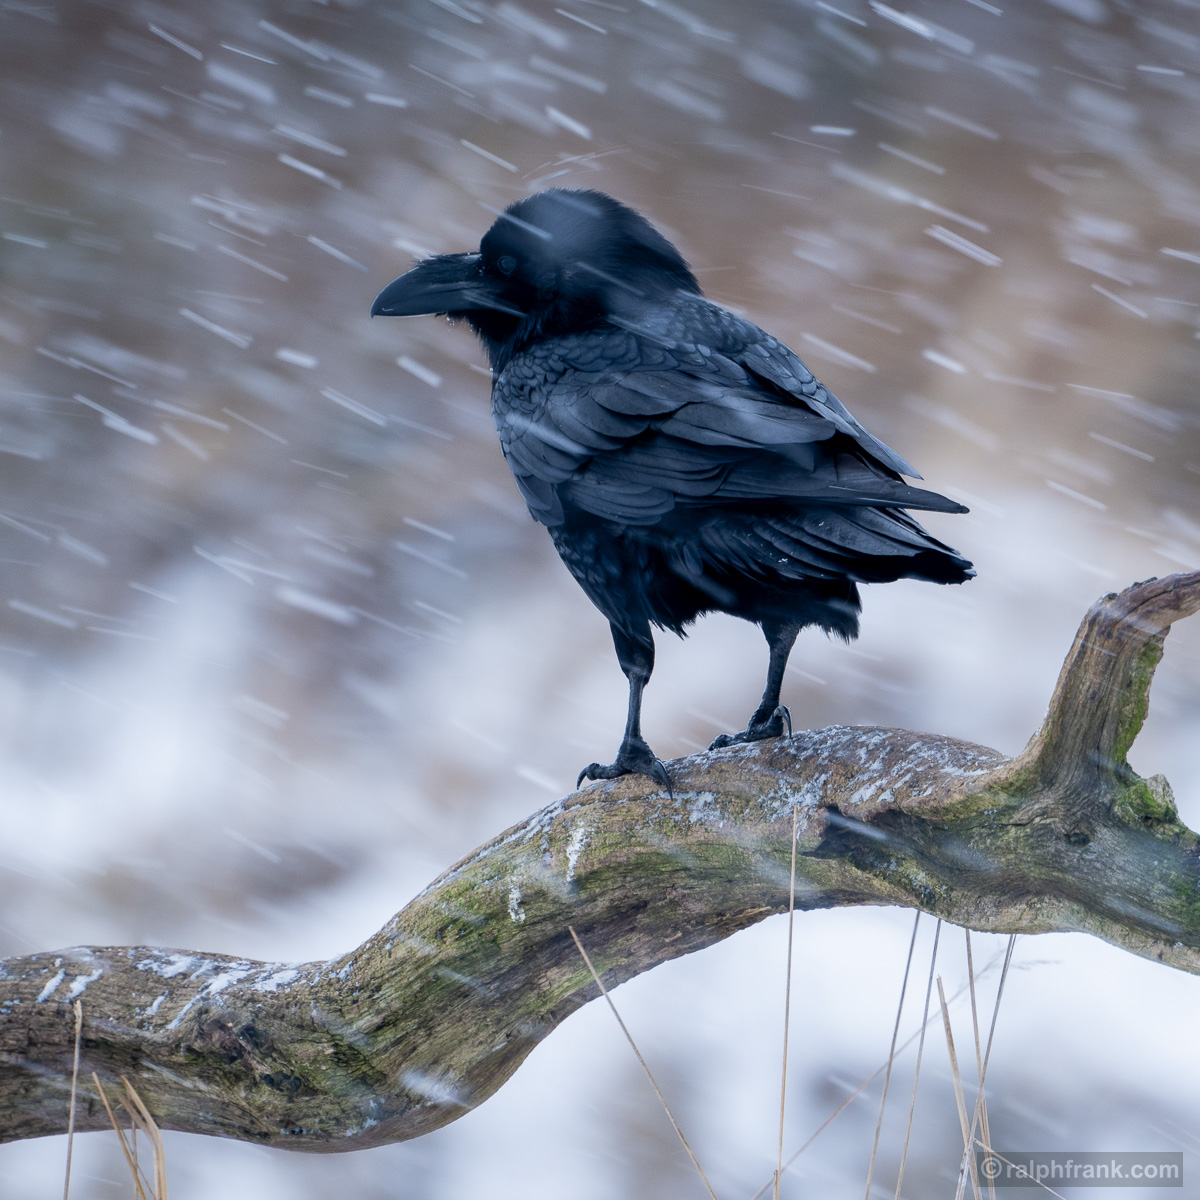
(683,460)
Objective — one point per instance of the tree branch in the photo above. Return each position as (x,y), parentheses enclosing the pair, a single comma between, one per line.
(432,1014)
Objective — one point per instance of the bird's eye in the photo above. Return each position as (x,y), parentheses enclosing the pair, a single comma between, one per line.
(507,264)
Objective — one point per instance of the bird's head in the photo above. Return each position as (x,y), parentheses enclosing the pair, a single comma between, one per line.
(557,262)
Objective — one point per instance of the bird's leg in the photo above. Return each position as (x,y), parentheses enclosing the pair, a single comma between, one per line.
(636,656)
(770,717)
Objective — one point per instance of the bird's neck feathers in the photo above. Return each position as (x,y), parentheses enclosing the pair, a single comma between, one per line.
(503,335)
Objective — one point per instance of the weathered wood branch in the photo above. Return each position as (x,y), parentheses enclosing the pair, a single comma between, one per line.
(432,1014)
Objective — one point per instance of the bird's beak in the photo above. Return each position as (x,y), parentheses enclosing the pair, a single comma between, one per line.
(449,283)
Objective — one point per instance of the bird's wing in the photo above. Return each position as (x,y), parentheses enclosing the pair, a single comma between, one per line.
(695,321)
(628,429)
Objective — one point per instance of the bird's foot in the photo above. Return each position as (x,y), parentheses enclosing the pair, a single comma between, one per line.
(762,725)
(634,758)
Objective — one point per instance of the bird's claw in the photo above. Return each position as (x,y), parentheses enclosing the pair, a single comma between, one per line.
(759,728)
(634,758)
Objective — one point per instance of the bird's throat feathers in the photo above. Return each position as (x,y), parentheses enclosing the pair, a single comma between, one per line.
(503,335)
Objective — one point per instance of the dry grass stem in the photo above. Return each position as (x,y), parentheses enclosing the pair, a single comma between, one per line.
(974,1005)
(149,1127)
(645,1067)
(78,1006)
(987,1054)
(983,1112)
(959,1100)
(887,1078)
(140,1119)
(912,1103)
(138,1189)
(862,1087)
(787,1006)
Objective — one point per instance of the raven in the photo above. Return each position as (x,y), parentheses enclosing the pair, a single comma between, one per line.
(683,460)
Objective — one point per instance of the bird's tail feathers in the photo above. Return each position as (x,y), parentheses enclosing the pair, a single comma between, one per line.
(882,544)
(848,542)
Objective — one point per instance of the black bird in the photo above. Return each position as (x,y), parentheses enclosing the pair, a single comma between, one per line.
(683,460)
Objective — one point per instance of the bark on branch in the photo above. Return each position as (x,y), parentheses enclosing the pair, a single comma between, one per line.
(432,1014)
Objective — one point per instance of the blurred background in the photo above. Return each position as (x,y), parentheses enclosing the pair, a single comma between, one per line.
(279,642)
